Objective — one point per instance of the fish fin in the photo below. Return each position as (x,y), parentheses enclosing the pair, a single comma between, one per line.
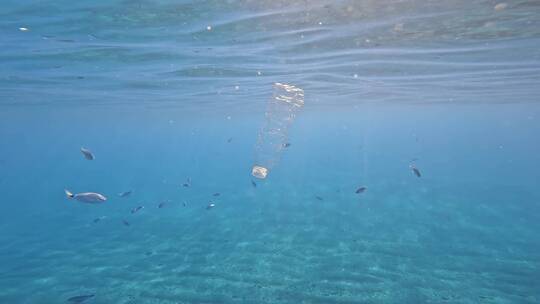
(68,193)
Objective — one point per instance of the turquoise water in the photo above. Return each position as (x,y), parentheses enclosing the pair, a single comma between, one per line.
(166,91)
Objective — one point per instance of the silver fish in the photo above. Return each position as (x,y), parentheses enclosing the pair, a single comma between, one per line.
(99,219)
(124,194)
(361,190)
(87,197)
(188,183)
(415,171)
(136,209)
(80,299)
(87,154)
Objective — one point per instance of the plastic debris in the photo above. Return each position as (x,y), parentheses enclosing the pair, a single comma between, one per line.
(281,111)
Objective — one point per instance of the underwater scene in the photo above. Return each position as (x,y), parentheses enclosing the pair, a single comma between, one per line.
(270,151)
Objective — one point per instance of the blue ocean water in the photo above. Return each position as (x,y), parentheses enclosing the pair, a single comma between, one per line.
(166,93)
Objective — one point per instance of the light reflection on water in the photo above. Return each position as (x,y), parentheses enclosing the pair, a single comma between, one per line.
(355,51)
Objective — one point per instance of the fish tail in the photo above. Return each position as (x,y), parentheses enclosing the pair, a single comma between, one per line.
(68,193)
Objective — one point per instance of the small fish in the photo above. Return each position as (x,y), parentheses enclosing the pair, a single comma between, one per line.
(254,184)
(216,194)
(124,194)
(415,171)
(136,209)
(126,223)
(86,197)
(80,299)
(361,190)
(210,206)
(319,198)
(286,145)
(24,29)
(229,140)
(184,204)
(87,154)
(161,205)
(187,184)
(99,219)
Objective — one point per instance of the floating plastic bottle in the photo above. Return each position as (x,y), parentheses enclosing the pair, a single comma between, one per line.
(286,102)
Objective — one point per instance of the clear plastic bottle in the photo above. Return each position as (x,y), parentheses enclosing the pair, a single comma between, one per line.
(287,100)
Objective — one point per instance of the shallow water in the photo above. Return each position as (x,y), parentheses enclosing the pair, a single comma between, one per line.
(163,91)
